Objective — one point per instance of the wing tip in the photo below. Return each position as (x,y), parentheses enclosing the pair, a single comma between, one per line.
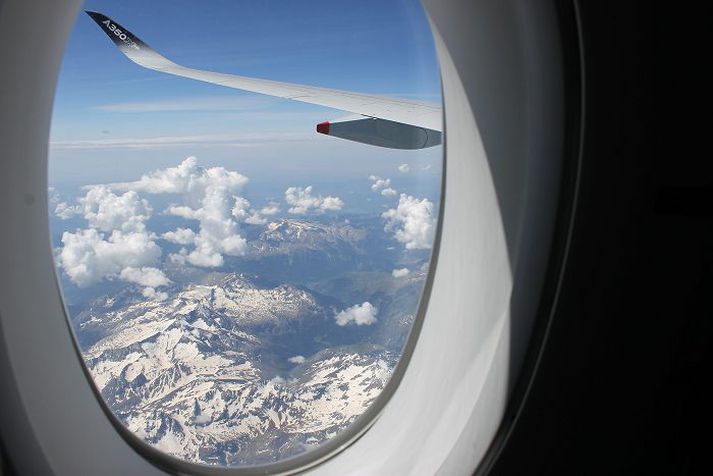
(96,16)
(323,127)
(122,38)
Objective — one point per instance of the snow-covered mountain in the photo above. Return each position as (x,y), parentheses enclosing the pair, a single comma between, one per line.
(298,250)
(247,419)
(203,375)
(290,236)
(252,367)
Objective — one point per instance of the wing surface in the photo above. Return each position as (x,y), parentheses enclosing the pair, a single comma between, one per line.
(413,113)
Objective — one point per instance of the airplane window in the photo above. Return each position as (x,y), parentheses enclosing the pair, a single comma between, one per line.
(243,206)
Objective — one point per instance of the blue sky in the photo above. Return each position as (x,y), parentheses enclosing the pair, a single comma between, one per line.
(114,120)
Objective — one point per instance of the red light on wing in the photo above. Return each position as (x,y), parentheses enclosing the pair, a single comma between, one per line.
(323,127)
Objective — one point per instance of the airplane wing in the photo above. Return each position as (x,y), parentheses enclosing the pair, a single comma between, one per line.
(382,121)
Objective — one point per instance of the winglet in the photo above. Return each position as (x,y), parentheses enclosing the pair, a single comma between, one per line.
(126,41)
(130,44)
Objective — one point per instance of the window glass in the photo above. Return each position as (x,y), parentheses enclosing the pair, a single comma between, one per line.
(240,286)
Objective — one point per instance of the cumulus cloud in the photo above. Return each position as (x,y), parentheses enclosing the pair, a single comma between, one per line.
(297,359)
(412,222)
(181,211)
(178,258)
(66,211)
(361,314)
(331,203)
(87,256)
(147,276)
(404,168)
(187,177)
(244,213)
(210,196)
(107,211)
(382,185)
(116,244)
(151,293)
(241,208)
(150,278)
(272,208)
(379,183)
(62,209)
(301,201)
(180,236)
(255,219)
(400,273)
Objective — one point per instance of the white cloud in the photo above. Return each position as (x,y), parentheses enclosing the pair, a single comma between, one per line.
(107,211)
(147,276)
(213,241)
(400,273)
(379,183)
(180,257)
(185,178)
(412,222)
(66,211)
(297,359)
(181,211)
(382,185)
(404,168)
(87,257)
(116,245)
(272,208)
(243,212)
(241,208)
(204,257)
(361,314)
(126,251)
(180,236)
(210,197)
(255,219)
(302,201)
(331,203)
(62,210)
(151,293)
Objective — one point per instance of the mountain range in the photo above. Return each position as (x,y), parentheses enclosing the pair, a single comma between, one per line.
(236,368)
